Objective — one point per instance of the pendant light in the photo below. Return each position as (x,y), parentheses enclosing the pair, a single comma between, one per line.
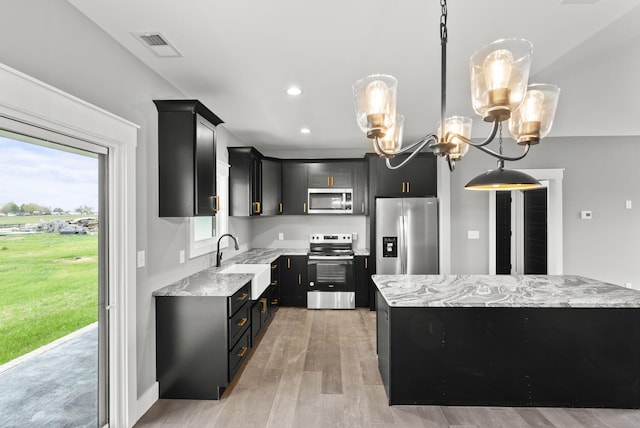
(499,92)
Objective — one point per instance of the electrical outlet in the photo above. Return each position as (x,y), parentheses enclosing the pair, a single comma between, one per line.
(627,284)
(182,256)
(280,236)
(628,205)
(354,236)
(141,259)
(473,234)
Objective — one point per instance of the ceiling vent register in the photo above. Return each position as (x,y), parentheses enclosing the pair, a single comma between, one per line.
(158,44)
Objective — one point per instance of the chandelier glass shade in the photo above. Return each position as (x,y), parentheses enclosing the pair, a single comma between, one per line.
(499,92)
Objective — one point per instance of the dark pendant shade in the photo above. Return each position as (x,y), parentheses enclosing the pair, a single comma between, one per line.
(503,179)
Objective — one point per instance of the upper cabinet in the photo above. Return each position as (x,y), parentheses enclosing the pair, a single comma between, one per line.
(186,159)
(245,181)
(271,186)
(417,178)
(294,187)
(254,183)
(322,175)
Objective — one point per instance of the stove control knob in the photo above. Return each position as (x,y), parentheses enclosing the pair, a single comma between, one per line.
(311,283)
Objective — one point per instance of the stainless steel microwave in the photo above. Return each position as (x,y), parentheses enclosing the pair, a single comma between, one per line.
(330,201)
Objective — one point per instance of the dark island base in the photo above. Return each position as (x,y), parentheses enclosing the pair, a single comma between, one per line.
(556,357)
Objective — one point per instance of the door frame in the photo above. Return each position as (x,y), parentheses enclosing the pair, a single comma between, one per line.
(31,107)
(554,179)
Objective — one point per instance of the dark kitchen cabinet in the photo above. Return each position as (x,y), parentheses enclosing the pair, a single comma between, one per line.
(417,178)
(201,342)
(293,281)
(362,279)
(186,159)
(274,288)
(260,314)
(271,186)
(245,181)
(335,174)
(360,188)
(294,187)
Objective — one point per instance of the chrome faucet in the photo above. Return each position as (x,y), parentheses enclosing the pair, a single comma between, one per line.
(219,253)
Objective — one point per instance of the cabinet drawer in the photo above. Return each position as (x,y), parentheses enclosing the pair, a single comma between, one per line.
(238,323)
(238,353)
(239,298)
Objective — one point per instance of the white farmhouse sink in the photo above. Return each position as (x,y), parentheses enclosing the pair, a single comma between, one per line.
(261,276)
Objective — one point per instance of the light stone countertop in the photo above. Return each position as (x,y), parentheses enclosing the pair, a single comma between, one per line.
(550,291)
(210,282)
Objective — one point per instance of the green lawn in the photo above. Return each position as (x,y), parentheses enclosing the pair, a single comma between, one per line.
(48,288)
(25,219)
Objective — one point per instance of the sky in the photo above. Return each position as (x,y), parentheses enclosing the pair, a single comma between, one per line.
(30,173)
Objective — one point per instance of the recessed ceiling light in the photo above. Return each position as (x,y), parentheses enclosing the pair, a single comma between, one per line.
(294,91)
(305,131)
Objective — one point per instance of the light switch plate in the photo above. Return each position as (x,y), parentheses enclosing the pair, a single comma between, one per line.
(586,215)
(182,256)
(628,205)
(141,259)
(473,234)
(280,236)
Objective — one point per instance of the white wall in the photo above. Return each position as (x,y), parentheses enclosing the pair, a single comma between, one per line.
(600,175)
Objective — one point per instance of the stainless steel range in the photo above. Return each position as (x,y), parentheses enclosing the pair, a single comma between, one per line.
(331,272)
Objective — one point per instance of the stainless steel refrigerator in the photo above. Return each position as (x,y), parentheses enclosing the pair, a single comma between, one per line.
(406,236)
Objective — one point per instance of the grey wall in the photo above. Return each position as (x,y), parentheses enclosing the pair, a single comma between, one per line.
(601,173)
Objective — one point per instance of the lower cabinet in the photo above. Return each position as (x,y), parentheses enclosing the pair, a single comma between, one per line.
(293,281)
(260,314)
(201,342)
(362,279)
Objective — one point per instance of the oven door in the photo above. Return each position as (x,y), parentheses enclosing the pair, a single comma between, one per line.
(331,273)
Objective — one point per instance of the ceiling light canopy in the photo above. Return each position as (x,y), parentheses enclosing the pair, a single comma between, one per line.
(305,131)
(499,92)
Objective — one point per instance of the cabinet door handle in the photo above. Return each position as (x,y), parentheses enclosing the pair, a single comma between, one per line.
(242,322)
(217,199)
(243,296)
(263,301)
(363,207)
(288,263)
(299,279)
(242,352)
(328,181)
(403,185)
(408,183)
(280,207)
(275,266)
(274,282)
(257,204)
(274,301)
(304,207)
(366,262)
(332,181)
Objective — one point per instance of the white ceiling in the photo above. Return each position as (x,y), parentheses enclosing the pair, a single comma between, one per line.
(239,56)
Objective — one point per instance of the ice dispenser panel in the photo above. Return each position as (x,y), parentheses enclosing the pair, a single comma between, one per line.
(389,246)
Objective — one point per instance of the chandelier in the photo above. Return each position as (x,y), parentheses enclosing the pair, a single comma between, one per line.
(499,92)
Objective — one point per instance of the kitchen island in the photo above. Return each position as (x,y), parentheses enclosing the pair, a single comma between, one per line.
(531,340)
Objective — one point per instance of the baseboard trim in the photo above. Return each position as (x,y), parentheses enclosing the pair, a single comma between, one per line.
(146,400)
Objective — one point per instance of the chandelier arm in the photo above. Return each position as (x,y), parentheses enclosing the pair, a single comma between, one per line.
(422,142)
(502,157)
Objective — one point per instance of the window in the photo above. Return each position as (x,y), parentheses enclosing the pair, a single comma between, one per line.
(204,231)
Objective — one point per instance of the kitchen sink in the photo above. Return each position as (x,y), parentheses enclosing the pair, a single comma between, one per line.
(261,276)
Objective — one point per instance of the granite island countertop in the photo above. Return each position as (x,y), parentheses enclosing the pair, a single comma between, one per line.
(210,282)
(549,291)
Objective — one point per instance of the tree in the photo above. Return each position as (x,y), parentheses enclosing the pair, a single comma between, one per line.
(10,207)
(58,210)
(84,209)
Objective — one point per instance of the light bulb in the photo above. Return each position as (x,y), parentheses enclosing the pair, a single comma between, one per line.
(376,97)
(497,67)
(532,106)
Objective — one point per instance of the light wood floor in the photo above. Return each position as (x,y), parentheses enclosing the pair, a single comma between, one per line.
(317,368)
